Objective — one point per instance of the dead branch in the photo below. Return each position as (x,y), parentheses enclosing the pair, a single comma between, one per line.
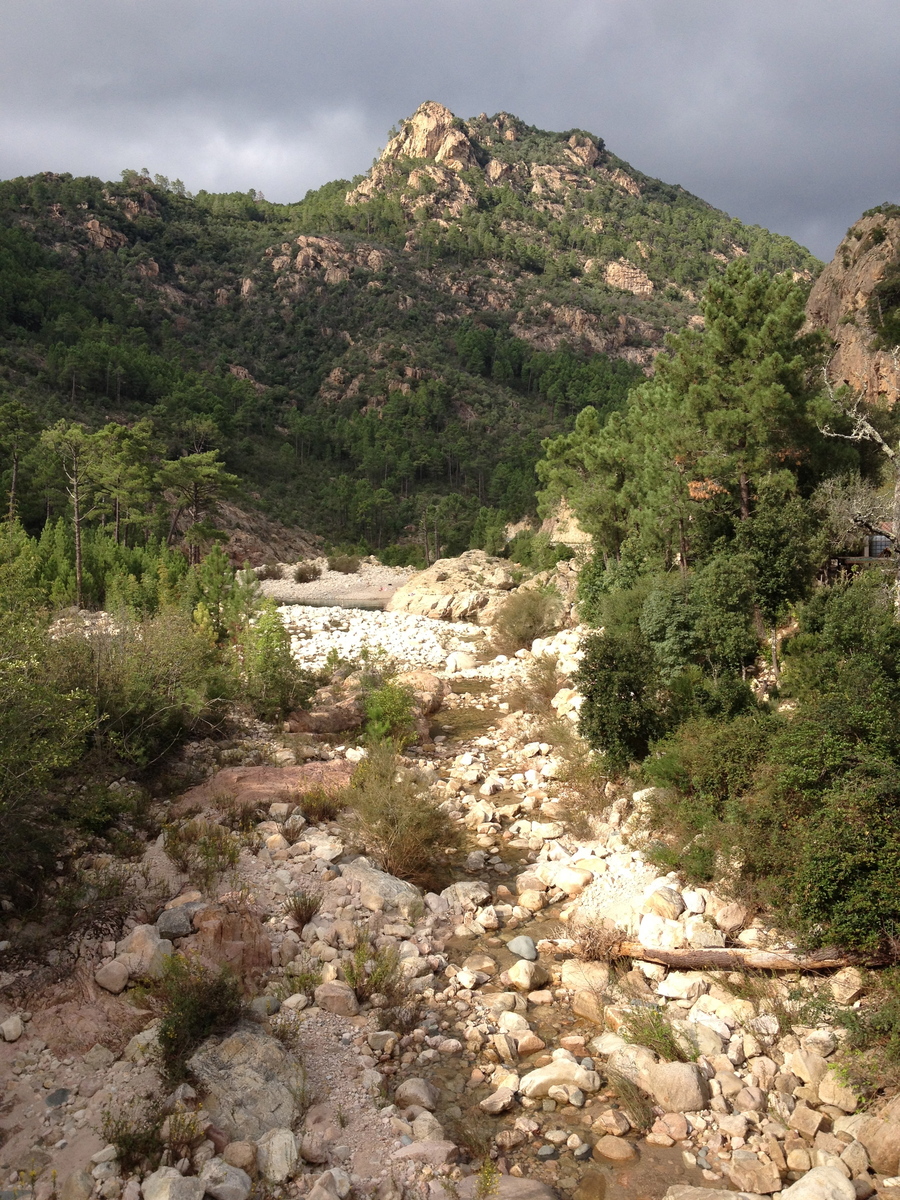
(740,958)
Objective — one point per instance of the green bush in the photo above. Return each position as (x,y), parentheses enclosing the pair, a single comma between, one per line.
(389,714)
(871,1053)
(397,823)
(270,570)
(136,1133)
(346,564)
(195,1004)
(524,615)
(151,682)
(319,806)
(302,906)
(204,851)
(307,572)
(44,731)
(272,681)
(535,550)
(622,711)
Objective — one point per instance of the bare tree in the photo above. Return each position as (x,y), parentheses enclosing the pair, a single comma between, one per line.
(853,407)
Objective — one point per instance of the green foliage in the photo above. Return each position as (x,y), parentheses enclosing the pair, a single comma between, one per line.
(883,308)
(203,850)
(801,811)
(524,615)
(302,905)
(728,409)
(371,971)
(306,572)
(150,682)
(346,564)
(319,806)
(651,1027)
(44,730)
(136,1133)
(621,713)
(269,571)
(871,1054)
(390,714)
(396,821)
(272,681)
(195,1004)
(535,550)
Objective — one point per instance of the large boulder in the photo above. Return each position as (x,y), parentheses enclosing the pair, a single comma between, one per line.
(144,953)
(469,588)
(250,1082)
(880,1135)
(378,890)
(821,1183)
(560,1072)
(236,940)
(223,1181)
(337,997)
(277,1154)
(678,1087)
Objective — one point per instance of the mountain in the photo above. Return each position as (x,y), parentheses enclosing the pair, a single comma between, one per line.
(387,353)
(856,300)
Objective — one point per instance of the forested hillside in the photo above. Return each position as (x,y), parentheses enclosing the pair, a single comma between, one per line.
(390,350)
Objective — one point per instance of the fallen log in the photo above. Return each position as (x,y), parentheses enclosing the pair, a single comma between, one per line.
(740,958)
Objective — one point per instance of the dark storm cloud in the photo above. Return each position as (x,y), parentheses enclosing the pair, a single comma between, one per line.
(785,114)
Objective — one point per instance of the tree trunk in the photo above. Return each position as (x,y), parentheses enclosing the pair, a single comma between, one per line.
(117,521)
(745,497)
(76,510)
(739,958)
(12,486)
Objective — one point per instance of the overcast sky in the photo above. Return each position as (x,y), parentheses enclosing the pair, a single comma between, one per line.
(786,113)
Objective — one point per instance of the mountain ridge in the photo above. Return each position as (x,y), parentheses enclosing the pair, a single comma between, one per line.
(390,346)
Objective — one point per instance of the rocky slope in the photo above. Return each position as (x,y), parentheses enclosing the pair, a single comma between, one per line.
(841,303)
(517,1046)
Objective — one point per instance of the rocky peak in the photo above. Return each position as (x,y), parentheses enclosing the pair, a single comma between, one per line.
(839,304)
(433,132)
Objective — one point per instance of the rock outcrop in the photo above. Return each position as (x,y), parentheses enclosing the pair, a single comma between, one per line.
(838,301)
(469,588)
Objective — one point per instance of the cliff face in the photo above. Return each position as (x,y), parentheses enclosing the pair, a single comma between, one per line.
(839,303)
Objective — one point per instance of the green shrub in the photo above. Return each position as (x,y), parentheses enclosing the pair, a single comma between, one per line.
(203,850)
(304,974)
(535,550)
(136,1133)
(524,615)
(371,971)
(273,682)
(302,906)
(389,714)
(45,726)
(652,1028)
(270,570)
(346,564)
(195,1004)
(622,711)
(307,572)
(871,1053)
(319,806)
(151,682)
(397,822)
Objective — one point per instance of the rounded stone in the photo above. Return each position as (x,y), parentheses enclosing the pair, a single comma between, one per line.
(613,1149)
(523,947)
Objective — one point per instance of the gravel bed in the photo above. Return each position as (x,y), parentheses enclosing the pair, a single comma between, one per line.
(373,581)
(414,641)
